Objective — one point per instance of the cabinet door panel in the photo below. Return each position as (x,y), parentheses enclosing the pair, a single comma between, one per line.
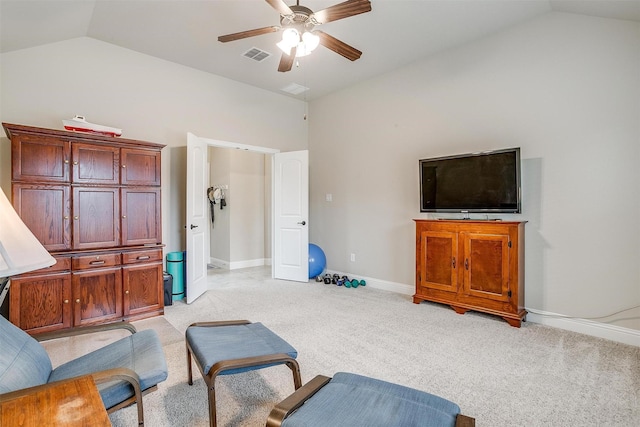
(438,263)
(40,303)
(140,167)
(487,266)
(45,210)
(143,288)
(95,217)
(141,223)
(40,158)
(95,164)
(97,296)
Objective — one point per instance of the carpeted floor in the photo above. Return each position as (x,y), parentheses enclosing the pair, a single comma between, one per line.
(502,376)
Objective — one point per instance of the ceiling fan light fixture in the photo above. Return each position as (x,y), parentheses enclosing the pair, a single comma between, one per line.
(290,39)
(308,43)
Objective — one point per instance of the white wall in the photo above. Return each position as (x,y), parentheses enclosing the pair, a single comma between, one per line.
(566,89)
(150,99)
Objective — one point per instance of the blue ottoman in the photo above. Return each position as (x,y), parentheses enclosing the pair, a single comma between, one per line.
(357,401)
(231,347)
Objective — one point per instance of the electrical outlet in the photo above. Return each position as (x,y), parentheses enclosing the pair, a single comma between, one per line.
(353,257)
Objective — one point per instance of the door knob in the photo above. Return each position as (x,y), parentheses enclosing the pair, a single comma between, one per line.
(193,226)
(302,223)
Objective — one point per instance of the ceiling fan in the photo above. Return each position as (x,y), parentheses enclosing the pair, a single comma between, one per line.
(299,36)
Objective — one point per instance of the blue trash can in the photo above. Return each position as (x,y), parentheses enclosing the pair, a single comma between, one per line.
(175,267)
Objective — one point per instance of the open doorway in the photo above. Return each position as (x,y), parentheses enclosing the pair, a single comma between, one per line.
(290,204)
(239,208)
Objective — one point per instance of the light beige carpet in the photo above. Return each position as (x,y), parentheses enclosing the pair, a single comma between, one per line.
(502,376)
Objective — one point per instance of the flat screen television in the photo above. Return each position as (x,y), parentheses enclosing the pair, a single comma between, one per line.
(487,182)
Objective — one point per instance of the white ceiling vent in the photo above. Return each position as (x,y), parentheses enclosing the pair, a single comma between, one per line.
(256,54)
(294,89)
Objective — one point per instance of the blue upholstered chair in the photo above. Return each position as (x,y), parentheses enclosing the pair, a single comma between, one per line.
(357,401)
(136,363)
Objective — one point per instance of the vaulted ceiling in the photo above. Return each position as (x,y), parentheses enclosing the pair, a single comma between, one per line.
(395,33)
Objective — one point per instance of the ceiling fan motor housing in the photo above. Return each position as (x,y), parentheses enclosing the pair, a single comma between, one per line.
(299,19)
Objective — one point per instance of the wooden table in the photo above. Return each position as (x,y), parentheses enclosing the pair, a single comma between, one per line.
(73,402)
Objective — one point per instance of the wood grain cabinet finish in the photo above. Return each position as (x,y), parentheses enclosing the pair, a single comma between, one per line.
(93,201)
(472,265)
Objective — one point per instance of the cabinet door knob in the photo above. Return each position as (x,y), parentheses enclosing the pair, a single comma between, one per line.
(66,161)
(78,301)
(126,292)
(75,163)
(124,216)
(66,217)
(76,217)
(66,301)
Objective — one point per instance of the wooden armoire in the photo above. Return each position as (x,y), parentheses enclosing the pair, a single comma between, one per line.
(94,202)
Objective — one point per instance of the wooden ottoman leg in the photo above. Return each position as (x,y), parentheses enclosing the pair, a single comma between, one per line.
(212,403)
(295,369)
(189,369)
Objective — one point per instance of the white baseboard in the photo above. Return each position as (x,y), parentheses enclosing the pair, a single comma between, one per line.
(587,327)
(582,326)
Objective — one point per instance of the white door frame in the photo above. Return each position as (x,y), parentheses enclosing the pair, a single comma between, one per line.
(252,148)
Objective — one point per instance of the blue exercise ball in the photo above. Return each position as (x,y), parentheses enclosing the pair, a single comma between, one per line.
(317,260)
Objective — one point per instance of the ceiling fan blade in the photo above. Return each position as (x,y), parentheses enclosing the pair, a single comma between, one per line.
(341,11)
(281,7)
(249,33)
(286,61)
(339,47)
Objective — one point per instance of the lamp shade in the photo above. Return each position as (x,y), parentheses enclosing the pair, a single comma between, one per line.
(20,250)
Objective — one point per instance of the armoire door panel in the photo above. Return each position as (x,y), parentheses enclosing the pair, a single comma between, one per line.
(41,303)
(97,295)
(96,214)
(140,167)
(40,158)
(141,222)
(45,209)
(95,164)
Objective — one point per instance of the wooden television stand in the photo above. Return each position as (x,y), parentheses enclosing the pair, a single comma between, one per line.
(472,265)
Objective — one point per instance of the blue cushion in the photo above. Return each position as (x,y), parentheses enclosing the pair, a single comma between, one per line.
(214,344)
(140,352)
(357,401)
(23,361)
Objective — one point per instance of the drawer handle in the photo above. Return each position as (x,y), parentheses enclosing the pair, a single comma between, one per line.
(96,262)
(142,258)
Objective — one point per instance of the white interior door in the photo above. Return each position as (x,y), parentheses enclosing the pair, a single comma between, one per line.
(197,218)
(291,216)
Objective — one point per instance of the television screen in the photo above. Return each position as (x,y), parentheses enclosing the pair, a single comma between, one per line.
(479,182)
